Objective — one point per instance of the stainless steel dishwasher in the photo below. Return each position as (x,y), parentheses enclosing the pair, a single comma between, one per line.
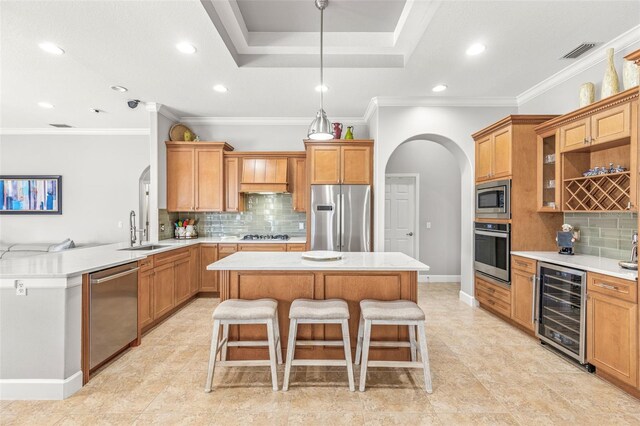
(113,312)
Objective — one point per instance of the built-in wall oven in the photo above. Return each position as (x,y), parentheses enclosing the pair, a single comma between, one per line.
(492,249)
(493,200)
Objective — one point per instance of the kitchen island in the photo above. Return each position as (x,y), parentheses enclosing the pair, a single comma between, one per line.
(287,276)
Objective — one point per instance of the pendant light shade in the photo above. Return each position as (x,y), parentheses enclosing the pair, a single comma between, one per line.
(320,128)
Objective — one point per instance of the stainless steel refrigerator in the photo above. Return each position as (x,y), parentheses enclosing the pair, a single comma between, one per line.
(341,217)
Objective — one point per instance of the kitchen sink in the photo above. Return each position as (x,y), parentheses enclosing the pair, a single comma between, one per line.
(145,248)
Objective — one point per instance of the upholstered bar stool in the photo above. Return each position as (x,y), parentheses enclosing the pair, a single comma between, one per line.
(308,311)
(240,311)
(396,312)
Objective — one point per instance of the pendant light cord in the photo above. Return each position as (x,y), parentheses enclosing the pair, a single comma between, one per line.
(321,59)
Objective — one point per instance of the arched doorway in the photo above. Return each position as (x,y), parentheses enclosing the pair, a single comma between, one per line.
(464,162)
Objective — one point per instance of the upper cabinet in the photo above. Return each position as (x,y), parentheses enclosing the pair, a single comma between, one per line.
(603,135)
(234,201)
(195,176)
(264,174)
(341,162)
(298,182)
(493,154)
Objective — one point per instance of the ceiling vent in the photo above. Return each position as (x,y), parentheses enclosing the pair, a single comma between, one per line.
(579,51)
(61,126)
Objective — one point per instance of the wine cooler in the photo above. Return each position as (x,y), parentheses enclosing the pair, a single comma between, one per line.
(560,309)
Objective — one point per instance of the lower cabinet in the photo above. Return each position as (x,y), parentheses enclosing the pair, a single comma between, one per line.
(208,279)
(194,257)
(163,289)
(493,297)
(182,280)
(523,274)
(296,247)
(262,247)
(145,298)
(612,327)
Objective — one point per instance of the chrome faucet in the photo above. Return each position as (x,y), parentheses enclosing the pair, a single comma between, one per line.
(634,247)
(132,227)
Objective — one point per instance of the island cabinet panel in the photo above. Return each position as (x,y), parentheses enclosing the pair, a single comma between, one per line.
(612,327)
(208,279)
(281,286)
(286,286)
(182,281)
(163,290)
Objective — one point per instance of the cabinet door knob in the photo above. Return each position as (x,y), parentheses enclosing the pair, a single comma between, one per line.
(410,234)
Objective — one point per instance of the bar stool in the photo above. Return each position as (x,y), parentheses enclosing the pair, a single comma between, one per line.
(239,311)
(397,312)
(308,311)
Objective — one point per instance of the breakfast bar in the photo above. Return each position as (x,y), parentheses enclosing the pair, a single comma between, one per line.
(287,276)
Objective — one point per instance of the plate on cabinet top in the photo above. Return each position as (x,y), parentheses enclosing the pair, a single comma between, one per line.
(322,255)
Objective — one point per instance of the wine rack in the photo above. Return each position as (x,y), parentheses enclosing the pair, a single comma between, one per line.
(599,193)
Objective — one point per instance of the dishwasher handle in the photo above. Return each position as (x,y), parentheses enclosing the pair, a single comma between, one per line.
(113,277)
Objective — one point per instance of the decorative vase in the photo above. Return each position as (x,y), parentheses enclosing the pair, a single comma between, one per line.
(587,94)
(337,130)
(630,75)
(349,134)
(610,80)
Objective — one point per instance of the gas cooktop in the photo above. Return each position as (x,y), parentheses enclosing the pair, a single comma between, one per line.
(282,237)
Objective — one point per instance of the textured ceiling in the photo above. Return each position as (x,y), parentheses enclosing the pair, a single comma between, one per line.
(133,44)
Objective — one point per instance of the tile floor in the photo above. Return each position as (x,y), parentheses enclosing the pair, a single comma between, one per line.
(484,372)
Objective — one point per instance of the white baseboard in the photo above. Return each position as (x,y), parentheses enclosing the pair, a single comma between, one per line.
(468,299)
(38,389)
(438,278)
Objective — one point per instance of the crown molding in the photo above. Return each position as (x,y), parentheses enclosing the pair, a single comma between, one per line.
(595,57)
(263,121)
(75,131)
(162,110)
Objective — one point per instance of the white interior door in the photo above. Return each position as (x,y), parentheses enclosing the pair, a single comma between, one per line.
(400,230)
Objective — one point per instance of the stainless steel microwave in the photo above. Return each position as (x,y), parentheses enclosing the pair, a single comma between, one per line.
(493,200)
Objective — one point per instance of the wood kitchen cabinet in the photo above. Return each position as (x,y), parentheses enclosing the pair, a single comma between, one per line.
(298,183)
(182,280)
(612,327)
(163,290)
(603,125)
(262,247)
(145,292)
(549,175)
(331,163)
(493,155)
(194,275)
(264,170)
(234,200)
(208,279)
(493,297)
(297,247)
(195,176)
(523,274)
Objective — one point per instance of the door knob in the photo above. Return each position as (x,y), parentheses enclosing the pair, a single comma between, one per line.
(410,234)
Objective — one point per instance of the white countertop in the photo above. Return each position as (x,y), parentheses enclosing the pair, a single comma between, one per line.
(585,262)
(293,261)
(82,260)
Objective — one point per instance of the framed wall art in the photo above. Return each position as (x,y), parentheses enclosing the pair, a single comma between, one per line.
(31,194)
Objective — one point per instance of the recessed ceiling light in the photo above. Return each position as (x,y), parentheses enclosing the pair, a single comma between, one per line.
(46,105)
(220,88)
(476,49)
(51,48)
(323,87)
(119,88)
(186,48)
(440,88)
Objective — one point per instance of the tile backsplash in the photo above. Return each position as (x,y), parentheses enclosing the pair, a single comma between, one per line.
(604,234)
(264,214)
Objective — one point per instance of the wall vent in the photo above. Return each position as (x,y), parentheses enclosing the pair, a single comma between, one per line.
(61,126)
(579,51)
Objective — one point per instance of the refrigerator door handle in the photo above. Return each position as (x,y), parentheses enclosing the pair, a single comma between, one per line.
(342,208)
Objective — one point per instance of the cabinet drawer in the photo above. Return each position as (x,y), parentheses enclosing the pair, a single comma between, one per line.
(296,247)
(262,247)
(227,248)
(523,264)
(494,291)
(146,264)
(170,256)
(492,303)
(612,286)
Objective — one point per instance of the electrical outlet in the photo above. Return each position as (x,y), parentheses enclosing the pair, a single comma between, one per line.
(301,225)
(162,227)
(428,225)
(21,290)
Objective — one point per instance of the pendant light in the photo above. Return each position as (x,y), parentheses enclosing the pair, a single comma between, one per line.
(320,128)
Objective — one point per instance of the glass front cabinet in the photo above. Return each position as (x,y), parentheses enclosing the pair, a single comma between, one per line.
(549,177)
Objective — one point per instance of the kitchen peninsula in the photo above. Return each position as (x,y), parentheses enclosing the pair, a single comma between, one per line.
(287,276)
